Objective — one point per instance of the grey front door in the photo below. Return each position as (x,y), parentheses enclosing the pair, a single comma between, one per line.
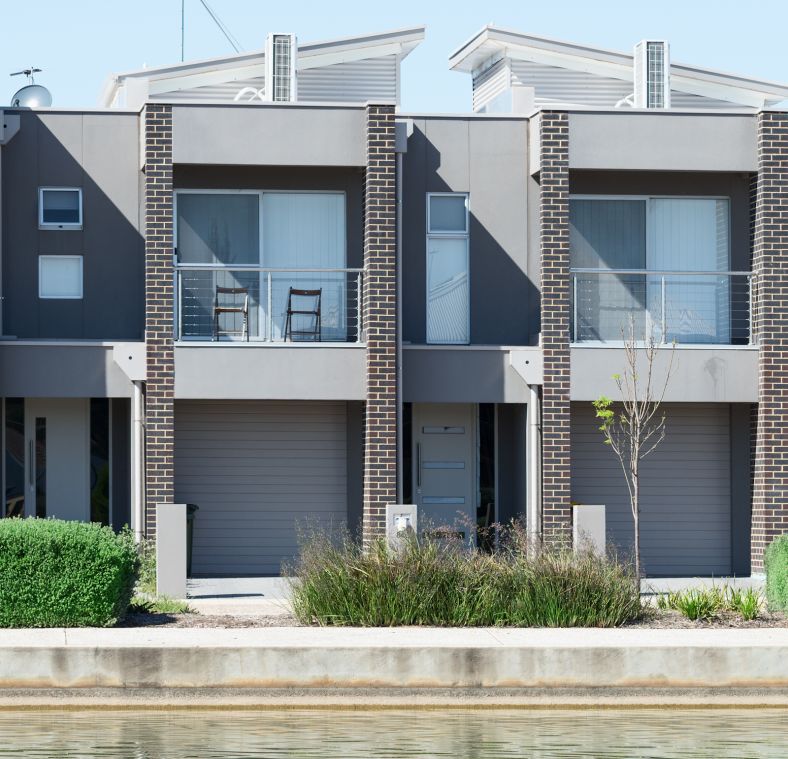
(444,461)
(57,447)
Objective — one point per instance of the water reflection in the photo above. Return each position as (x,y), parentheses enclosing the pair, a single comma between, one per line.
(632,734)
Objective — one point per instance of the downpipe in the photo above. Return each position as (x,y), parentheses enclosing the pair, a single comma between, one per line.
(534,471)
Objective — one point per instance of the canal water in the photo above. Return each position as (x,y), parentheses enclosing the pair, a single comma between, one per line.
(477,734)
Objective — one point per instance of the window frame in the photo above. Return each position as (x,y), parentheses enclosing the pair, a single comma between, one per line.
(43,257)
(646,199)
(450,235)
(51,225)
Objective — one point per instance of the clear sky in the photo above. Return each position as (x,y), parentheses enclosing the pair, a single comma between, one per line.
(79,42)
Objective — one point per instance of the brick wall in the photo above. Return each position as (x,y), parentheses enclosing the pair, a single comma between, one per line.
(380,314)
(770,265)
(554,251)
(159,404)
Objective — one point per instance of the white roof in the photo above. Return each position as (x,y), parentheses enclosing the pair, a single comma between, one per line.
(492,43)
(249,64)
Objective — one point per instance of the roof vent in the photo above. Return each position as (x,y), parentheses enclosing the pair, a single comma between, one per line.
(280,67)
(652,74)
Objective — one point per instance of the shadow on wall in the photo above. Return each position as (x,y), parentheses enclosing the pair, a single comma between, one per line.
(502,297)
(97,152)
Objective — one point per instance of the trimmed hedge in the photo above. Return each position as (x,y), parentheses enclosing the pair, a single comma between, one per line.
(776,561)
(64,574)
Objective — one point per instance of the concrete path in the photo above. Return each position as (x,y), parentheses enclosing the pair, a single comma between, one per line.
(290,660)
(239,596)
(269,596)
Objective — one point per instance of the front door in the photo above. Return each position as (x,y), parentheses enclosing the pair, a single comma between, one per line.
(57,447)
(444,462)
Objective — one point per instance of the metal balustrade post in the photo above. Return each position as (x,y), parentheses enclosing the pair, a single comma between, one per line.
(662,298)
(270,310)
(359,306)
(574,309)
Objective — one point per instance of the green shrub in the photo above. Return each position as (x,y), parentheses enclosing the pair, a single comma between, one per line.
(64,574)
(776,561)
(439,581)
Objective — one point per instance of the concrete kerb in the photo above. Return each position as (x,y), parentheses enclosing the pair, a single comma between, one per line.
(302,660)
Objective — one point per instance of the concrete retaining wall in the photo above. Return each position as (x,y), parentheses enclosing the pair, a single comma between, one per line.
(399,658)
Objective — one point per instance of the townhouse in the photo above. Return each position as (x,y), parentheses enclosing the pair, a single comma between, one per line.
(255,284)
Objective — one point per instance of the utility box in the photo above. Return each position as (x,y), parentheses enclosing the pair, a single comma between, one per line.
(401,520)
(589,528)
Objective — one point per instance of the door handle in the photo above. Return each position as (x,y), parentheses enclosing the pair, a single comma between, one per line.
(418,465)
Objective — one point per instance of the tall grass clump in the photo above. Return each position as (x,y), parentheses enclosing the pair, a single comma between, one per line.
(439,581)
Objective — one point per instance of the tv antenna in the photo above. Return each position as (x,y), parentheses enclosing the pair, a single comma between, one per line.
(231,38)
(29,73)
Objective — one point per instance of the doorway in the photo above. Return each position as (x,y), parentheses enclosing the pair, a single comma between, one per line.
(56,452)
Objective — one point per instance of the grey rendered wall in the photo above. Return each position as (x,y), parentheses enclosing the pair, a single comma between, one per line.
(687,506)
(347,180)
(61,371)
(662,141)
(276,135)
(98,152)
(486,157)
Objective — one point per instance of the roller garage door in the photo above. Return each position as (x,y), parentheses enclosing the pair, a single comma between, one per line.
(258,470)
(685,489)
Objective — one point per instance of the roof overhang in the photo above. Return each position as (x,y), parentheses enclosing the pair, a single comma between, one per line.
(492,43)
(248,65)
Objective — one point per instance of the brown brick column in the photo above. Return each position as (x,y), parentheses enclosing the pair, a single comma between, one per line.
(554,247)
(159,404)
(380,320)
(770,266)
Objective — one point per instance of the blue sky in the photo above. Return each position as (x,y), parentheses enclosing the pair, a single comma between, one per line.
(78,42)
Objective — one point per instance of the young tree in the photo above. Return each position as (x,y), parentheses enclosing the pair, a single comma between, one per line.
(636,426)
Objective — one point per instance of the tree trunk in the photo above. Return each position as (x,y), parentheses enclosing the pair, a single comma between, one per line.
(636,517)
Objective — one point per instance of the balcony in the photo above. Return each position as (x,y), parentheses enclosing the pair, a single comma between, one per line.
(252,304)
(685,307)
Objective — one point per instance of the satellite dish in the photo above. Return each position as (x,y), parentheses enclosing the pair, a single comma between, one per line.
(32,96)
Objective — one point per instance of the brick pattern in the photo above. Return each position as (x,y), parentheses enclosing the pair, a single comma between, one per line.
(554,251)
(380,321)
(770,265)
(159,304)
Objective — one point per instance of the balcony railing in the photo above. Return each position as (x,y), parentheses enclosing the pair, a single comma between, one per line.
(695,307)
(250,304)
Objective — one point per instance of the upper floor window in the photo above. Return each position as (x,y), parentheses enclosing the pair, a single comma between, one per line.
(663,262)
(448,296)
(59,208)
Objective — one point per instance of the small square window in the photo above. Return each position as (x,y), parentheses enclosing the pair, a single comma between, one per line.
(448,213)
(60,208)
(60,277)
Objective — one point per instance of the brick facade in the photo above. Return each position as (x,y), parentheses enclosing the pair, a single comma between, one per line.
(159,390)
(770,266)
(554,253)
(380,320)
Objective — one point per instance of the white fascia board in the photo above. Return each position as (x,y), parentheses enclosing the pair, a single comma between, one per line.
(162,85)
(736,95)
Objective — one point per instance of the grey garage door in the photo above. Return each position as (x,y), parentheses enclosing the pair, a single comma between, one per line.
(258,470)
(685,489)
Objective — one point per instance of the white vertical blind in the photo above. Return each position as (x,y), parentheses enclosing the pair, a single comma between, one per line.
(690,234)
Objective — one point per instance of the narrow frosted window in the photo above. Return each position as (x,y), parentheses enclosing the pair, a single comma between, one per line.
(60,277)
